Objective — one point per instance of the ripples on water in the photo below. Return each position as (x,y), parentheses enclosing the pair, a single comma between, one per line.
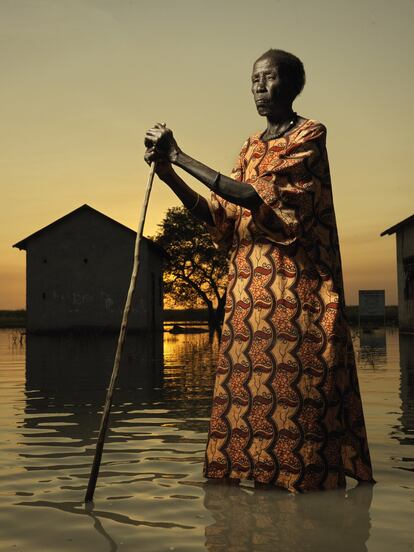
(151,495)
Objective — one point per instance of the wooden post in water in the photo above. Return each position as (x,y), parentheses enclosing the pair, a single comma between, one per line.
(108,403)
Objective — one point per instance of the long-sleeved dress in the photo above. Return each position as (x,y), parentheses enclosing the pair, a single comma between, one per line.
(286,404)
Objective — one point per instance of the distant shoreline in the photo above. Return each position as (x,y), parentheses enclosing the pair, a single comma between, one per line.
(17,318)
(13,318)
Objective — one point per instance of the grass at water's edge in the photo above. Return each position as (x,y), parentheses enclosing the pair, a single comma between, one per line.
(171,315)
(12,318)
(17,318)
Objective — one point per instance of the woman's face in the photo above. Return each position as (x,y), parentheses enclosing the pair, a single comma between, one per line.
(269,91)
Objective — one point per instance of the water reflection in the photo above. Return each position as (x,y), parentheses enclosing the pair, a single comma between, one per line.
(374,338)
(67,378)
(79,508)
(150,493)
(247,520)
(163,391)
(372,347)
(406,433)
(66,381)
(67,365)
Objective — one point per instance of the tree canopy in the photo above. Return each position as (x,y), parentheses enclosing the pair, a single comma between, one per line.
(196,272)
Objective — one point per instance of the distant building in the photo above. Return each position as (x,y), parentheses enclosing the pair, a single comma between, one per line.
(405,271)
(371,306)
(78,272)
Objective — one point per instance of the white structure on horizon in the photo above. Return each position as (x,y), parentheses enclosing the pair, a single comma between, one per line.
(371,305)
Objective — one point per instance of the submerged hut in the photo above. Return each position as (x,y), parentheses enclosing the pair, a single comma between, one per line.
(77,275)
(405,271)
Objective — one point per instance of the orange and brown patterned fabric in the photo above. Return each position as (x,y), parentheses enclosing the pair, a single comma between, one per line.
(286,405)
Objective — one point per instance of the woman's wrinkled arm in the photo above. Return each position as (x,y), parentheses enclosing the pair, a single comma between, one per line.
(239,193)
(192,200)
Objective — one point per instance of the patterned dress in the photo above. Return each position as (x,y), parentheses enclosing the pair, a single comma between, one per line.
(286,405)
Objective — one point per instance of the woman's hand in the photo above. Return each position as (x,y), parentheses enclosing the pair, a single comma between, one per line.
(162,140)
(163,167)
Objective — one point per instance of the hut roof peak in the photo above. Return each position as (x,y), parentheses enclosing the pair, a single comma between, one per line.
(396,227)
(22,244)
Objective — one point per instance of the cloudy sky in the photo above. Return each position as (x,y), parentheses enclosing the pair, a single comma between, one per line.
(83,79)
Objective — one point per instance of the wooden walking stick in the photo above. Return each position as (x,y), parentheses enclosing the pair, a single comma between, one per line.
(108,403)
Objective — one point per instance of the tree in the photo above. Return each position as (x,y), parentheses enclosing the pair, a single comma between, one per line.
(195,271)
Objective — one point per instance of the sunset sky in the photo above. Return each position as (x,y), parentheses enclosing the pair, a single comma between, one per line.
(83,80)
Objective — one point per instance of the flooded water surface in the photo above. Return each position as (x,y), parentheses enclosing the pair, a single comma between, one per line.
(151,495)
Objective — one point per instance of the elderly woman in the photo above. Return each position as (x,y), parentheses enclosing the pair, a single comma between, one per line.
(286,409)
